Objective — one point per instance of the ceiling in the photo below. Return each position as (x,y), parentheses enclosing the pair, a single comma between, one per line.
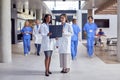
(31,4)
(110,7)
(35,4)
(102,6)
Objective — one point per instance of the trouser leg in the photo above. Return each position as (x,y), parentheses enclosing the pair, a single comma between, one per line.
(25,46)
(72,49)
(90,46)
(28,44)
(76,44)
(38,49)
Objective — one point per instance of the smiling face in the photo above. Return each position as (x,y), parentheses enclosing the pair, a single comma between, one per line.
(90,19)
(48,19)
(74,21)
(37,21)
(26,23)
(63,19)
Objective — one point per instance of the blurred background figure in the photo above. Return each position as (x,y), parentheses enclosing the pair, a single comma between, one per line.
(37,36)
(74,39)
(90,29)
(98,36)
(101,33)
(26,31)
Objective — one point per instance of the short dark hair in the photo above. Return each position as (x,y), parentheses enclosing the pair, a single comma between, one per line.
(100,29)
(90,17)
(73,20)
(46,15)
(64,16)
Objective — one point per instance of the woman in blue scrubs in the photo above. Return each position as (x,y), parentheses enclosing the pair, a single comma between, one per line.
(26,31)
(74,39)
(90,29)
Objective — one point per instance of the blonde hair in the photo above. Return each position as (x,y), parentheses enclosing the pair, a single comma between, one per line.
(26,23)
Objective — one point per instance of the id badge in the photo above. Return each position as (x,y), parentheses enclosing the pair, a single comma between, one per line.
(27,34)
(90,30)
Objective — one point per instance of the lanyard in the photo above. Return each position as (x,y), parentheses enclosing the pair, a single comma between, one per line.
(37,26)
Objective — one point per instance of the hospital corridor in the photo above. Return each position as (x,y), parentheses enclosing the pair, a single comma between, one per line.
(59,39)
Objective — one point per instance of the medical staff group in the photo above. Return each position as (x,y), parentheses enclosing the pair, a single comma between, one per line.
(67,44)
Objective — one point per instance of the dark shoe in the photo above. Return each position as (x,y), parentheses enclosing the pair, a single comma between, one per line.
(46,74)
(50,72)
(62,71)
(38,54)
(66,70)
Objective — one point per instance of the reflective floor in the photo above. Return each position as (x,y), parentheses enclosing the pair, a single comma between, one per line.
(31,67)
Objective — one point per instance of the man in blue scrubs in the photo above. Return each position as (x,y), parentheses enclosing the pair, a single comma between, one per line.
(74,39)
(26,31)
(90,29)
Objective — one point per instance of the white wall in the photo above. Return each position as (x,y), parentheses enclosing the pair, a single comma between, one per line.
(112,30)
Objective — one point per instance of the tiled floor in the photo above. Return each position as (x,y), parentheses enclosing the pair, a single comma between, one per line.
(108,56)
(31,67)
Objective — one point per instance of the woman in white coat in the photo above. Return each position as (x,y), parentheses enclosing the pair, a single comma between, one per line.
(37,37)
(64,44)
(47,43)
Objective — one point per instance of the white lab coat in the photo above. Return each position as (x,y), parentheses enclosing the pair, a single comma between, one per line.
(37,34)
(47,43)
(64,43)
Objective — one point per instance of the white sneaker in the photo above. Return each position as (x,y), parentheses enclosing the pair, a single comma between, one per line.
(25,54)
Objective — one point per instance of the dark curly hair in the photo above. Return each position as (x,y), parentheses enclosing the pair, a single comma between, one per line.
(44,19)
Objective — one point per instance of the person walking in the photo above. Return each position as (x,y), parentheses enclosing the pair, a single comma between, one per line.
(37,37)
(64,44)
(26,31)
(74,39)
(47,43)
(90,29)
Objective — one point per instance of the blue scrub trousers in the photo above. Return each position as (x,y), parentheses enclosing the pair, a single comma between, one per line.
(26,43)
(74,45)
(38,47)
(90,46)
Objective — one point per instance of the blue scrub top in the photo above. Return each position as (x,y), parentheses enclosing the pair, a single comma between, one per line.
(76,31)
(100,33)
(26,29)
(90,29)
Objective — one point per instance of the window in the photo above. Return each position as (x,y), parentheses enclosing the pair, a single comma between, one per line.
(102,23)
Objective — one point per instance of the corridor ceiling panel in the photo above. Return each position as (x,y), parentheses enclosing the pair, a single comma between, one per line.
(101,6)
